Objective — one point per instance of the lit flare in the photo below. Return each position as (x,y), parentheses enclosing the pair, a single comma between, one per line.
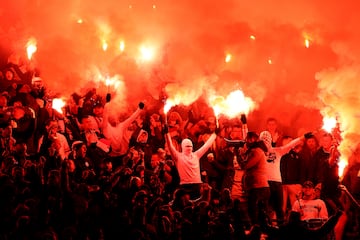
(31,48)
(329,123)
(58,104)
(234,104)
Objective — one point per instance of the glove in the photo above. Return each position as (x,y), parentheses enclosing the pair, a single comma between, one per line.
(308,135)
(141,105)
(165,129)
(108,97)
(243,118)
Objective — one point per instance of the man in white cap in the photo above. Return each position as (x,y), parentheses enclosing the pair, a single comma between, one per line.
(188,163)
(274,155)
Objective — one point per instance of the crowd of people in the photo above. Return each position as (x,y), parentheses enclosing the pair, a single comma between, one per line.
(87,174)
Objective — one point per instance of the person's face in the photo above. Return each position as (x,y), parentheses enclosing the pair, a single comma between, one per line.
(308,191)
(9,75)
(311,143)
(326,141)
(271,126)
(142,138)
(53,129)
(236,133)
(187,149)
(155,160)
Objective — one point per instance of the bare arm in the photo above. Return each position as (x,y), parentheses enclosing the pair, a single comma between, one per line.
(172,149)
(201,151)
(132,118)
(286,148)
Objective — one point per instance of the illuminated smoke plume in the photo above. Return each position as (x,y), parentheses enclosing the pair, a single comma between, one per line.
(339,93)
(276,47)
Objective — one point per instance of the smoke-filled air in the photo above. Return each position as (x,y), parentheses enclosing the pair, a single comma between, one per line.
(297,61)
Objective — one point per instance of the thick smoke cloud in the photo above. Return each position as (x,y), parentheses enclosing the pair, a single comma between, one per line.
(266,39)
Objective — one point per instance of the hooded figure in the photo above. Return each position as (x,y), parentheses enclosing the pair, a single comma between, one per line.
(274,155)
(265,136)
(188,163)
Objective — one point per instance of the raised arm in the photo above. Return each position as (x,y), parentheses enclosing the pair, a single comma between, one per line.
(133,116)
(286,148)
(174,153)
(201,151)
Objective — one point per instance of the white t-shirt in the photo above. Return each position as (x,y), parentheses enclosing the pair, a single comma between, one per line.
(311,209)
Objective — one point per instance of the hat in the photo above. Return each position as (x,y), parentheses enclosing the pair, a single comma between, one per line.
(308,184)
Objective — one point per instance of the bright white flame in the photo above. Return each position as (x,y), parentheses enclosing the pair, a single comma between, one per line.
(31,48)
(80,21)
(104,45)
(233,105)
(252,37)
(147,53)
(168,105)
(216,111)
(108,81)
(329,123)
(114,83)
(270,61)
(122,46)
(342,165)
(154,6)
(307,43)
(228,57)
(58,104)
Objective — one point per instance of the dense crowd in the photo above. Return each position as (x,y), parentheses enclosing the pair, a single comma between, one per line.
(87,174)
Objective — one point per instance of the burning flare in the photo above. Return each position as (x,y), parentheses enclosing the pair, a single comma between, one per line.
(147,53)
(232,105)
(31,48)
(228,57)
(58,104)
(329,123)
